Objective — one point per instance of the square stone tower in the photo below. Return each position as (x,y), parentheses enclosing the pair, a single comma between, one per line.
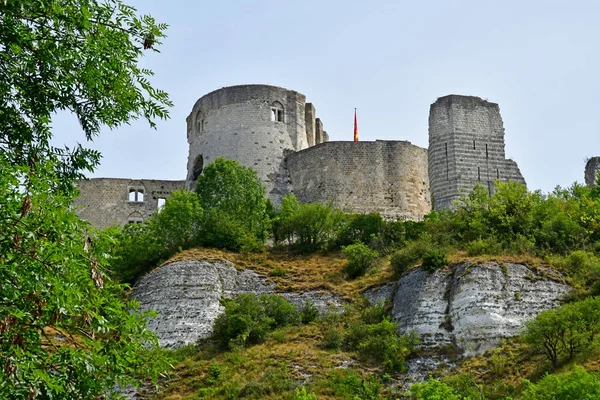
(466,148)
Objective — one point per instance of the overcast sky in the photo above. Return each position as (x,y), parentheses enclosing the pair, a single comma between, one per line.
(539,60)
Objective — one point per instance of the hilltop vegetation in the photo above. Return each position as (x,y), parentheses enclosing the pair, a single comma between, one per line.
(319,246)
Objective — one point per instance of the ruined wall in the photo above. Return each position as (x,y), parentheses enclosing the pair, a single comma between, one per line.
(592,168)
(466,148)
(389,177)
(239,123)
(105,201)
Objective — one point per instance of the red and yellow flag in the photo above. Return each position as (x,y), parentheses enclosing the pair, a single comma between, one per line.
(355,127)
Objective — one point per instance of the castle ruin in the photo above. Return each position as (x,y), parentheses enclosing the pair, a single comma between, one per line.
(276,132)
(592,168)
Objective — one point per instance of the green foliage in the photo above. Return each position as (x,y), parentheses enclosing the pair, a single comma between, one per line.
(433,390)
(360,259)
(480,247)
(576,385)
(307,226)
(347,384)
(359,228)
(234,203)
(409,256)
(381,343)
(563,332)
(374,314)
(333,337)
(248,319)
(301,394)
(434,258)
(64,330)
(308,313)
(139,247)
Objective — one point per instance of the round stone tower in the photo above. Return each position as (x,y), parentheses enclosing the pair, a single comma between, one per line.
(257,125)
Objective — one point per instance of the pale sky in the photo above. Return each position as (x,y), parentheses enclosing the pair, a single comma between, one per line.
(539,60)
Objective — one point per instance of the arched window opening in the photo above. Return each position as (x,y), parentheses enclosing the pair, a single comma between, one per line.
(135,218)
(198,167)
(199,122)
(136,194)
(277,112)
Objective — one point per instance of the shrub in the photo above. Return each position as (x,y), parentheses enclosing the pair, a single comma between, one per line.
(301,394)
(480,247)
(333,337)
(248,319)
(307,226)
(578,384)
(409,256)
(308,313)
(374,314)
(433,390)
(381,343)
(360,259)
(276,307)
(434,258)
(359,228)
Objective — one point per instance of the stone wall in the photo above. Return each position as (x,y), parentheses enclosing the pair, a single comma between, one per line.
(466,148)
(106,201)
(389,177)
(238,123)
(592,168)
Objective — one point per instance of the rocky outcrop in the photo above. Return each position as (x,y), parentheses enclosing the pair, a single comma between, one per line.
(472,306)
(186,294)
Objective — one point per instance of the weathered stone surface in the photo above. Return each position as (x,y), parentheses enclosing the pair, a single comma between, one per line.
(379,294)
(466,148)
(186,296)
(592,168)
(472,306)
(389,177)
(105,201)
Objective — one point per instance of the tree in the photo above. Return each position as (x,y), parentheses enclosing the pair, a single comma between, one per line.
(234,203)
(64,330)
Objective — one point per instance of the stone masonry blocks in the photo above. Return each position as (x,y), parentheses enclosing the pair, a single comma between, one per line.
(466,148)
(592,168)
(105,202)
(310,121)
(318,131)
(389,177)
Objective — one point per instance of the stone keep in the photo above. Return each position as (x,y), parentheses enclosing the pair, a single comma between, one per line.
(592,168)
(257,125)
(466,148)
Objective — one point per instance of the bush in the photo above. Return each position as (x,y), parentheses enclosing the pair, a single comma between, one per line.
(433,390)
(480,247)
(374,314)
(308,313)
(434,258)
(381,343)
(359,228)
(248,319)
(575,385)
(360,259)
(301,394)
(307,226)
(403,259)
(333,337)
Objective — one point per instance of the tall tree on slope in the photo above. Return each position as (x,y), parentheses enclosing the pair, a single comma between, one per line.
(64,330)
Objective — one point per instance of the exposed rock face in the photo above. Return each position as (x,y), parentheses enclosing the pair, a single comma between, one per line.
(186,296)
(472,306)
